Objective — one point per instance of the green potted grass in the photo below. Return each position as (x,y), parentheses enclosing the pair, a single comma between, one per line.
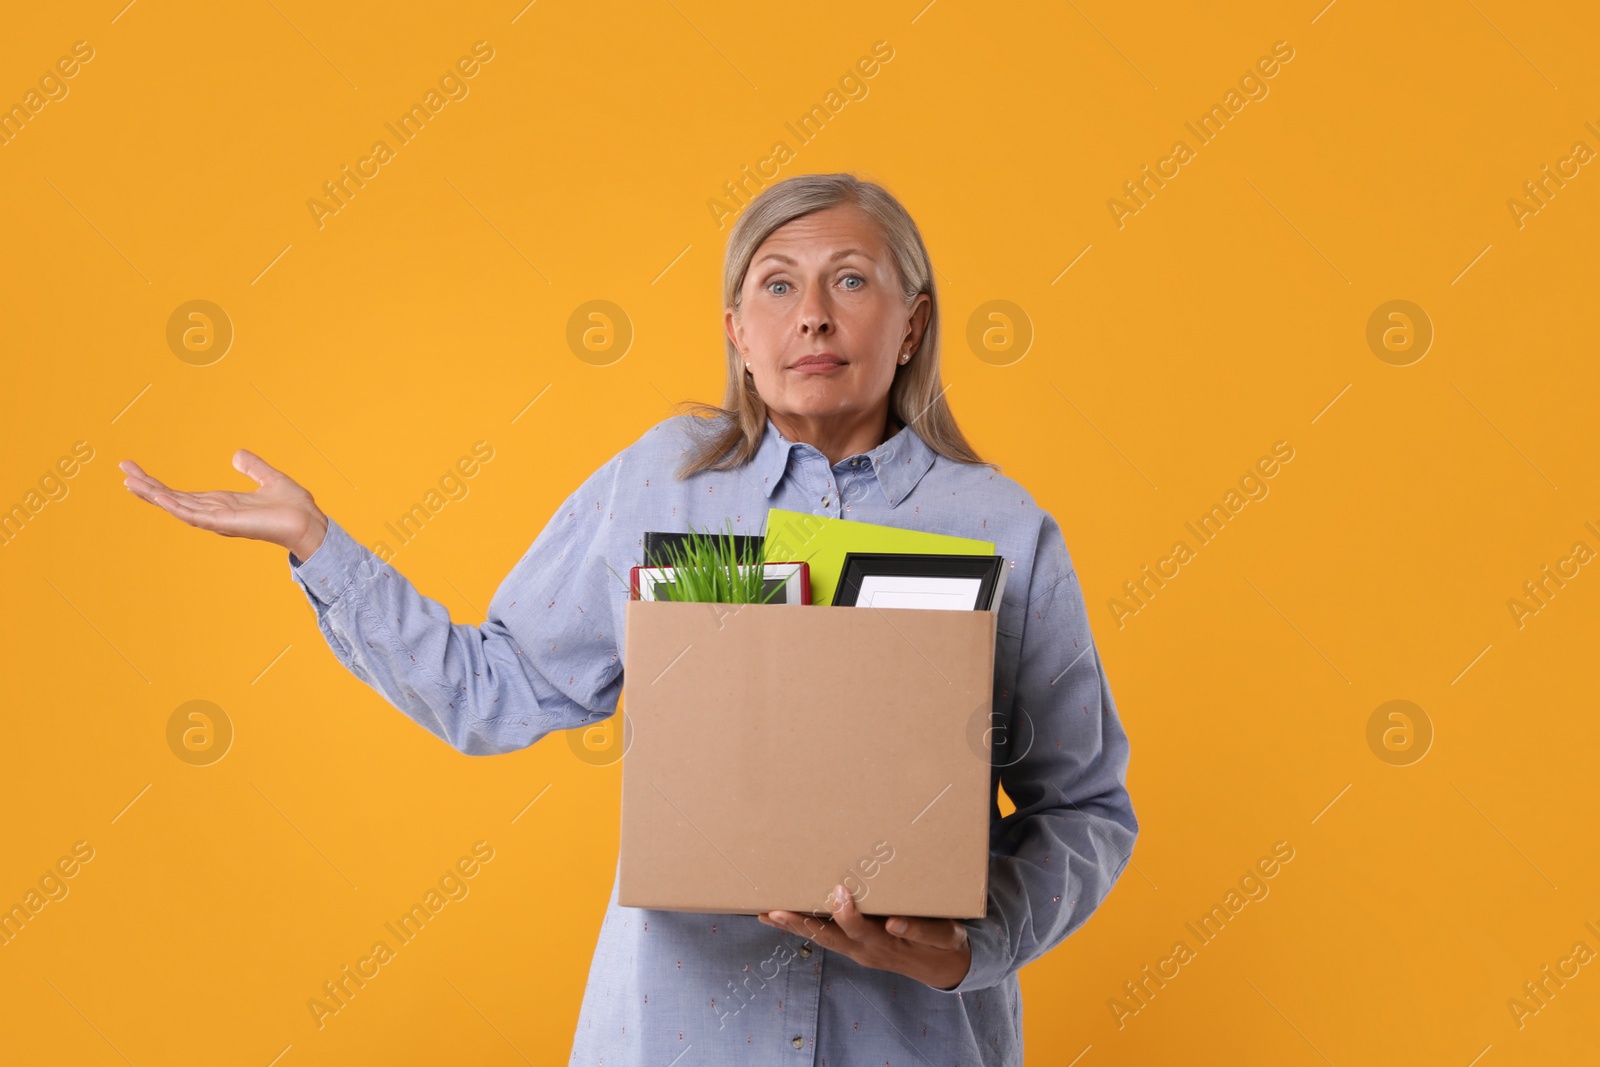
(705,569)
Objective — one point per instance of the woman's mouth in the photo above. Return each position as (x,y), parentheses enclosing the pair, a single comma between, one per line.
(821,363)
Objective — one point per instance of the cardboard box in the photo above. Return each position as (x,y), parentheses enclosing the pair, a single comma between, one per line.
(773,750)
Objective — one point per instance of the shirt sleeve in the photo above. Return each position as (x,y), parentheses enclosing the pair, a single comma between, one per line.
(1063,761)
(545,658)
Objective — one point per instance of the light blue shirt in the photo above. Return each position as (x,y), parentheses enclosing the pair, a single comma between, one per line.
(701,990)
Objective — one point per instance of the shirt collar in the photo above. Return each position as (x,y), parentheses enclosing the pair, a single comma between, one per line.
(899,463)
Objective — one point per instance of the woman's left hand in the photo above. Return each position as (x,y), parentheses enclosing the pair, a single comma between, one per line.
(933,951)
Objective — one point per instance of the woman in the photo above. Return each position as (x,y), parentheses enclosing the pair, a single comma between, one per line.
(833,406)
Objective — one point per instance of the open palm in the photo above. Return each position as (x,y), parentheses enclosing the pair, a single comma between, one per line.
(280,512)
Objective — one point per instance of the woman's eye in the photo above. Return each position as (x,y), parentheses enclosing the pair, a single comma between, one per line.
(771,284)
(858,278)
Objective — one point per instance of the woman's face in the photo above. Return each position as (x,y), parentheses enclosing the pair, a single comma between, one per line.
(825,285)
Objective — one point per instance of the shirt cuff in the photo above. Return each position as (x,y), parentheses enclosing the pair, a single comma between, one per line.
(334,567)
(989,964)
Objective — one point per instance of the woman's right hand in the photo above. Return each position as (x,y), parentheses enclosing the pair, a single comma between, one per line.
(281,512)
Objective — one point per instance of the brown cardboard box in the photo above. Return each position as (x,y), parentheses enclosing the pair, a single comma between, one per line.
(773,750)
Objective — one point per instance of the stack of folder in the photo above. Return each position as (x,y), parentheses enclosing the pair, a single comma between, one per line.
(825,545)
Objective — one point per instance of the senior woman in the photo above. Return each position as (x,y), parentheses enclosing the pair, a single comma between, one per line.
(833,406)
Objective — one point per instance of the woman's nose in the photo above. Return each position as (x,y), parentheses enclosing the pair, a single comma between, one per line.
(816,317)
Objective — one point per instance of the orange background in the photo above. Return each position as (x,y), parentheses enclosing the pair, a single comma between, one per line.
(1229,313)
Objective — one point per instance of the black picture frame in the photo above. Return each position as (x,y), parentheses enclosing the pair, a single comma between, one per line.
(659,545)
(927,571)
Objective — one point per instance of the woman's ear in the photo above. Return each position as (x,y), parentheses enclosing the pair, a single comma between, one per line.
(916,324)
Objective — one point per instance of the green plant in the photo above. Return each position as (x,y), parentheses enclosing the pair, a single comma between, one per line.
(705,569)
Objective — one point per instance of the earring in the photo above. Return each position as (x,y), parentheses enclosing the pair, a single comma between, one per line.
(747,366)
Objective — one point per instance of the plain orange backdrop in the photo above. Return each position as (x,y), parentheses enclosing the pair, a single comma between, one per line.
(1164,357)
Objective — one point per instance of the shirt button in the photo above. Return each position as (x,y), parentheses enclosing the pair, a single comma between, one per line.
(798,1042)
(805,950)
(824,500)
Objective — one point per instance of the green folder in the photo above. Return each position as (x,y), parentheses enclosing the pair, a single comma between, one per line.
(822,541)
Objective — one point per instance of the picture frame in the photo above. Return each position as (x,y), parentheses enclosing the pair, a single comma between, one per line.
(659,546)
(921,580)
(793,576)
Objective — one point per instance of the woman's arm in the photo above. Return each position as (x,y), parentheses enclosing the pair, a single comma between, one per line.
(544,659)
(1054,859)
(1063,759)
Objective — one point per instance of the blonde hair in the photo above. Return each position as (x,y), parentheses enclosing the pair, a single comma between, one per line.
(916,398)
